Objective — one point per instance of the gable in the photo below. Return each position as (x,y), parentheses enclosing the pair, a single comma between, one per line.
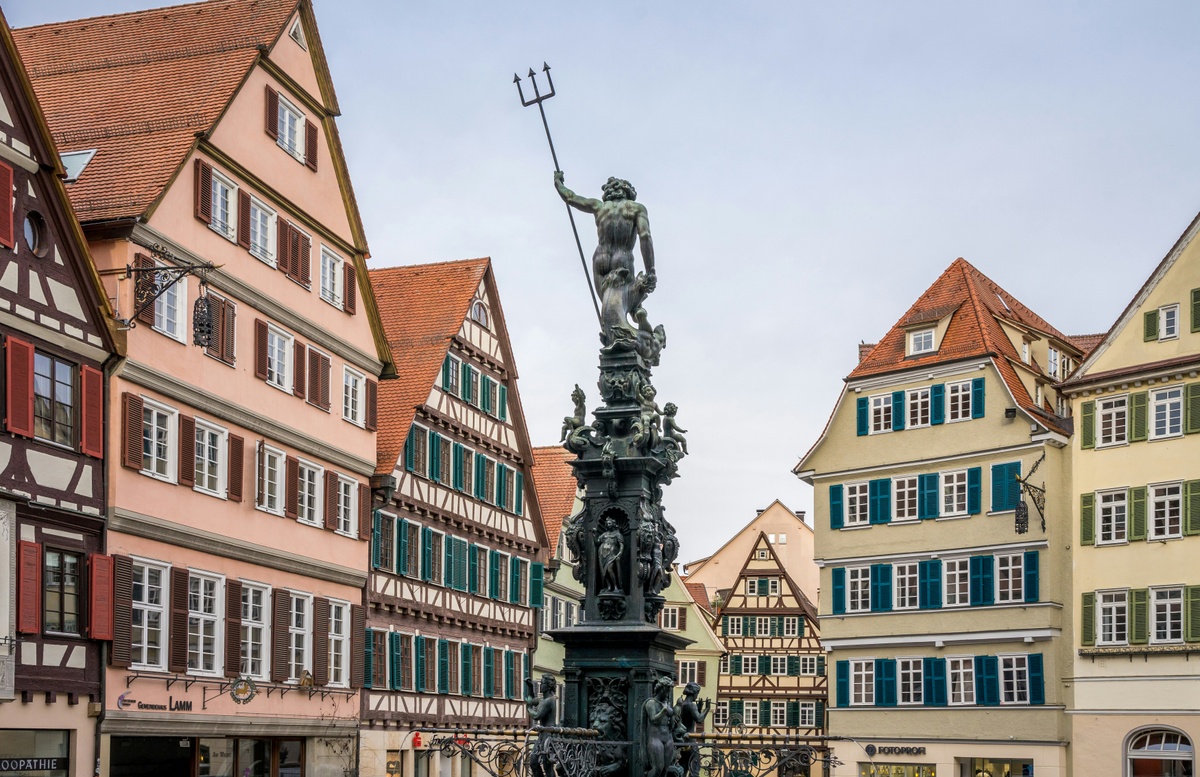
(748,593)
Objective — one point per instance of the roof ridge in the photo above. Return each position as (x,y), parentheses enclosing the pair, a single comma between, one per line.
(130,14)
(182,52)
(402,267)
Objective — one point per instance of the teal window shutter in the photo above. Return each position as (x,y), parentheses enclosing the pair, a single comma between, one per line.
(879,503)
(1032,594)
(897,411)
(376,539)
(977,406)
(485,394)
(461,582)
(489,672)
(514,579)
(864,416)
(1006,491)
(793,714)
(503,409)
(473,569)
(927,496)
(448,561)
(724,625)
(456,466)
(395,663)
(464,671)
(409,450)
(763,586)
(987,681)
(819,717)
(736,710)
(929,584)
(777,626)
(464,387)
(843,683)
(501,485)
(426,553)
(974,490)
(934,681)
(800,625)
(839,590)
(525,664)
(881,588)
(747,626)
(443,678)
(480,477)
(419,663)
(494,574)
(885,682)
(764,713)
(1037,683)
(820,666)
(508,674)
(537,574)
(435,456)
(764,665)
(369,659)
(836,515)
(793,666)
(402,555)
(937,403)
(735,665)
(446,363)
(982,586)
(519,494)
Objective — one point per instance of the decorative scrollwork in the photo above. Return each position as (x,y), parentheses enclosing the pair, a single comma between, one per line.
(721,759)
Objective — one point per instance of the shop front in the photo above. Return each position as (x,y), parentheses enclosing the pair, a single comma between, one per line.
(136,756)
(977,759)
(35,752)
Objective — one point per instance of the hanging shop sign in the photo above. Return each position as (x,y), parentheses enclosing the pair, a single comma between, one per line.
(242,690)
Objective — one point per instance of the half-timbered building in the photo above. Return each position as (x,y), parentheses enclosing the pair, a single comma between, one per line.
(456,578)
(55,322)
(773,674)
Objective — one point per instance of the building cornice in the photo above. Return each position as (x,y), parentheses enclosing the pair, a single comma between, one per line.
(922,555)
(846,473)
(915,373)
(942,640)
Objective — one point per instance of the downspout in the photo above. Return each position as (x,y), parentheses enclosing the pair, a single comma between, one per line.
(108,368)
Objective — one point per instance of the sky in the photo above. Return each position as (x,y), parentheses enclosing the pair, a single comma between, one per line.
(809,170)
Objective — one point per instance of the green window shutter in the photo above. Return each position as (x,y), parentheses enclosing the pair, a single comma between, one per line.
(402,542)
(820,666)
(927,495)
(1196,310)
(446,373)
(1191,507)
(1138,425)
(448,561)
(395,663)
(933,671)
(777,626)
(1150,325)
(1137,513)
(1191,408)
(764,713)
(836,515)
(519,494)
(480,476)
(1087,425)
(982,581)
(987,681)
(443,678)
(800,625)
(736,711)
(1037,685)
(464,669)
(974,490)
(456,466)
(879,501)
(419,663)
(426,553)
(843,683)
(409,450)
(473,569)
(514,579)
(793,666)
(763,584)
(881,587)
(464,384)
(461,583)
(536,577)
(435,457)
(1032,583)
(1139,616)
(494,574)
(838,575)
(929,584)
(509,674)
(937,403)
(735,665)
(376,539)
(764,665)
(977,398)
(885,682)
(793,713)
(369,659)
(1191,613)
(819,717)
(864,416)
(748,626)
(501,485)
(489,672)
(1087,620)
(724,625)
(1006,491)
(485,394)
(1087,519)
(503,402)
(897,411)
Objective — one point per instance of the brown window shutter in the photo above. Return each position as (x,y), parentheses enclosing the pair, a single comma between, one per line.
(177,655)
(281,613)
(702,672)
(216,343)
(100,597)
(237,466)
(29,594)
(243,236)
(233,628)
(260,472)
(331,500)
(8,236)
(349,297)
(228,332)
(91,433)
(293,248)
(131,424)
(282,236)
(364,512)
(372,408)
(682,618)
(299,350)
(122,637)
(260,349)
(310,144)
(326,366)
(314,376)
(204,191)
(143,285)
(358,633)
(187,450)
(304,262)
(292,489)
(272,113)
(320,641)
(19,380)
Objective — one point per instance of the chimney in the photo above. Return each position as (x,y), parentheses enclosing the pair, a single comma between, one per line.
(863,350)
(800,514)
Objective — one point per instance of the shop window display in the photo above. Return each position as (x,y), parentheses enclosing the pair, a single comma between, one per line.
(989,767)
(896,770)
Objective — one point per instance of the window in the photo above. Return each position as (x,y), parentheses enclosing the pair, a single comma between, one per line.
(909,680)
(331,277)
(1010,578)
(735,627)
(904,499)
(723,664)
(1113,516)
(1025,352)
(210,448)
(352,389)
(224,197)
(158,450)
(1160,752)
(958,582)
(808,714)
(203,606)
(1114,618)
(862,682)
(62,592)
(169,312)
(308,501)
(297,34)
(752,586)
(347,496)
(918,408)
(961,679)
(290,129)
(808,665)
(569,618)
(1014,679)
(452,675)
(298,627)
(750,713)
(670,618)
(858,585)
(1166,512)
(791,626)
(1167,413)
(1052,363)
(479,314)
(418,439)
(1167,615)
(412,561)
(262,231)
(688,672)
(406,664)
(904,586)
(881,413)
(270,467)
(779,713)
(339,644)
(721,714)
(434,571)
(954,493)
(450,375)
(749,664)
(920,342)
(856,504)
(1168,322)
(279,359)
(958,400)
(254,631)
(520,583)
(149,613)
(377,669)
(53,399)
(481,572)
(1111,421)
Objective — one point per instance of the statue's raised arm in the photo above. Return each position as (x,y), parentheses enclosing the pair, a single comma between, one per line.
(585,204)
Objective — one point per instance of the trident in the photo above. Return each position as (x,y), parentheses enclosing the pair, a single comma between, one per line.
(538,99)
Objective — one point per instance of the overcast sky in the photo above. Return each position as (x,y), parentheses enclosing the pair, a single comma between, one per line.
(809,170)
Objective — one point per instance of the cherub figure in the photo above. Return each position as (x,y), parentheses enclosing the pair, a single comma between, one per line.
(671,428)
(573,422)
(646,430)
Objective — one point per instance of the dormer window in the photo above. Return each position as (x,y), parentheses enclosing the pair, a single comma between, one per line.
(1052,362)
(479,314)
(920,341)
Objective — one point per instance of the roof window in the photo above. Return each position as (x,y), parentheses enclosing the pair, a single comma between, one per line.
(297,34)
(75,161)
(920,341)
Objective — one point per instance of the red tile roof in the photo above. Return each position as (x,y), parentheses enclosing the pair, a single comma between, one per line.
(139,87)
(1086,343)
(556,486)
(699,594)
(423,307)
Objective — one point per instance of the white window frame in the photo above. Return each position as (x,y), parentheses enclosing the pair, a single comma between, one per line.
(1013,671)
(227,228)
(958,401)
(721,714)
(918,405)
(1025,352)
(1168,322)
(171,428)
(1112,517)
(147,608)
(279,375)
(331,277)
(339,644)
(921,341)
(1112,617)
(750,712)
(858,589)
(353,399)
(762,626)
(749,659)
(299,636)
(267,453)
(857,505)
(1052,361)
(779,665)
(778,714)
(960,670)
(808,666)
(249,626)
(904,586)
(791,626)
(1010,578)
(881,414)
(200,618)
(905,499)
(221,449)
(670,618)
(1174,603)
(688,672)
(723,664)
(862,682)
(956,582)
(296,150)
(735,626)
(1169,403)
(265,250)
(910,679)
(175,294)
(317,506)
(953,488)
(1159,495)
(347,507)
(808,714)
(1108,411)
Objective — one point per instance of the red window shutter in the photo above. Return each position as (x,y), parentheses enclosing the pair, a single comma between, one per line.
(8,238)
(272,114)
(100,596)
(143,284)
(237,467)
(122,637)
(320,663)
(233,628)
(228,332)
(187,450)
(304,263)
(131,425)
(364,512)
(349,299)
(19,380)
(177,655)
(358,633)
(29,592)
(372,408)
(91,436)
(326,366)
(298,380)
(291,502)
(281,613)
(204,191)
(314,377)
(310,144)
(260,349)
(331,500)
(243,236)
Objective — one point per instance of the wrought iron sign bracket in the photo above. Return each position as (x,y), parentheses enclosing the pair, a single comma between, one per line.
(161,279)
(1037,494)
(219,692)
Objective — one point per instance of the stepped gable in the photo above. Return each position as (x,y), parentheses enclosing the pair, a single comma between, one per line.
(975,304)
(556,488)
(423,307)
(139,87)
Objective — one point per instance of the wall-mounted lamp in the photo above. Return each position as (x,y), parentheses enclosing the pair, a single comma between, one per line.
(1010,412)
